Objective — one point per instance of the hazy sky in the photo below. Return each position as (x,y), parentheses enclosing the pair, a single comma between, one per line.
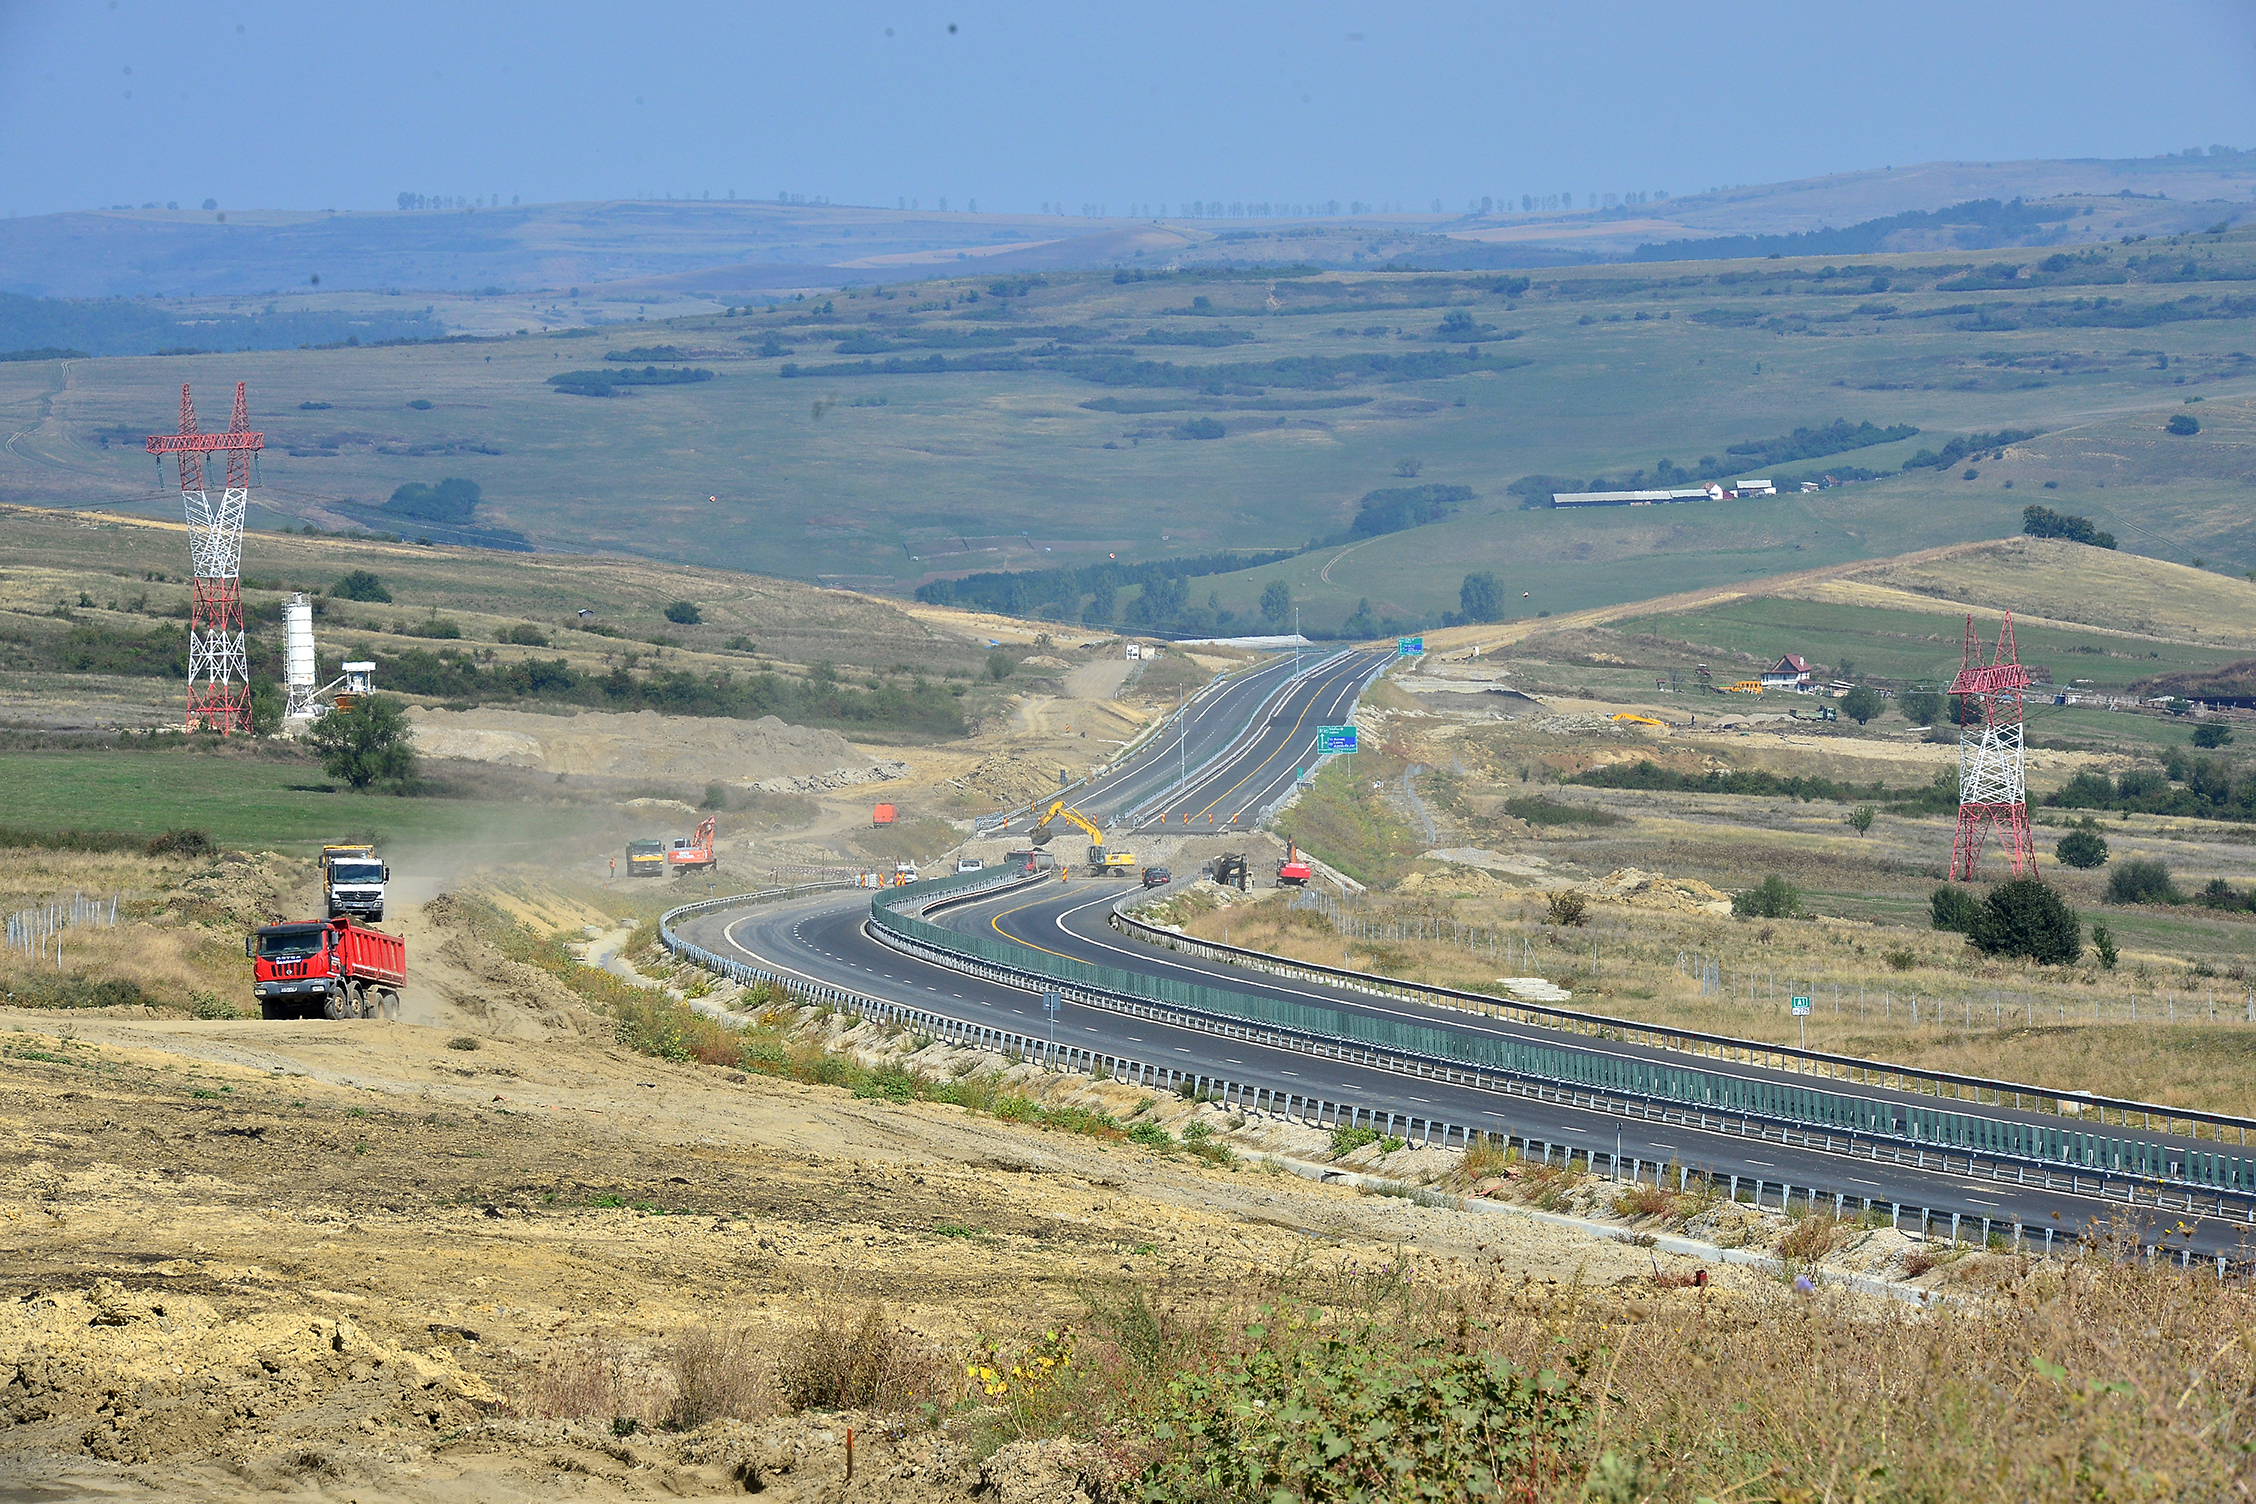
(262,104)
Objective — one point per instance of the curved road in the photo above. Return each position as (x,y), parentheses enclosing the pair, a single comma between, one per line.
(827,940)
(1258,732)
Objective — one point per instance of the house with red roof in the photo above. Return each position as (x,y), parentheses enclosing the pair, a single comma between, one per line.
(1790,672)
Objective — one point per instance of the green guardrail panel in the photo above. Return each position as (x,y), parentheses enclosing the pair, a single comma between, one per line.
(1581,1068)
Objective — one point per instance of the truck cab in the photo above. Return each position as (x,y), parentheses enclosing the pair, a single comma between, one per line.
(352,882)
(646,858)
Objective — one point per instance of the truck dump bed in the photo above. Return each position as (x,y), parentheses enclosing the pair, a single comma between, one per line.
(372,955)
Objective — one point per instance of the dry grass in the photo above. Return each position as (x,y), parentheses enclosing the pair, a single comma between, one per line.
(719,1373)
(847,1359)
(2007,1023)
(2090,1378)
(596,1379)
(1815,1237)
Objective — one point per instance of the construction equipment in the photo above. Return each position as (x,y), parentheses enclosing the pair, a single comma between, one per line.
(1638,720)
(337,969)
(1230,870)
(1294,871)
(352,881)
(1102,860)
(884,814)
(646,858)
(1743,687)
(693,853)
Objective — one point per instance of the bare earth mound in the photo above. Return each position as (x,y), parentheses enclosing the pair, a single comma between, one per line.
(639,744)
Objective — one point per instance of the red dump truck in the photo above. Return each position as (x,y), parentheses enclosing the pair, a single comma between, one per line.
(336,968)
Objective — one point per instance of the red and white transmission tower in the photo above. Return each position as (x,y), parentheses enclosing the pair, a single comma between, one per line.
(1991,788)
(219,667)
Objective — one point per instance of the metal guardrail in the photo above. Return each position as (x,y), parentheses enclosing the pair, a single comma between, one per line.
(1488,1061)
(1322,1113)
(1850,1068)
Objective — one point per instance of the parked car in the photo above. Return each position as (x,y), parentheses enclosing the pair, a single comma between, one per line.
(1157,877)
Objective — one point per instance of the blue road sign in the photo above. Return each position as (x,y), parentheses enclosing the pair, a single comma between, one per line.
(1331,739)
(1410,647)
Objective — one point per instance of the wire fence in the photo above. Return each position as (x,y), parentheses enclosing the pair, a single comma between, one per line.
(1992,1006)
(38,932)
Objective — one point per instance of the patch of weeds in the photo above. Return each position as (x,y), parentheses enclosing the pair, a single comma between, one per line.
(1152,1135)
(1346,1140)
(463,1042)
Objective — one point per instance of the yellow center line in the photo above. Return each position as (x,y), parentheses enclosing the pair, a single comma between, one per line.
(1321,685)
(996,924)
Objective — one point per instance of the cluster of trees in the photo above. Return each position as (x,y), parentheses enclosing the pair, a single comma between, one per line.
(2024,919)
(603,383)
(2044,522)
(1837,437)
(1965,446)
(822,698)
(134,326)
(1090,593)
(1295,372)
(450,501)
(1391,510)
(1978,222)
(445,201)
(2197,787)
(1645,774)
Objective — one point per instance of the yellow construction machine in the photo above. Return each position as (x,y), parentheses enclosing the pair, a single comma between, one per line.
(1102,860)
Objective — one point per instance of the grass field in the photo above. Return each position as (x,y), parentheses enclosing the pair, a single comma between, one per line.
(888,476)
(257,803)
(1917,646)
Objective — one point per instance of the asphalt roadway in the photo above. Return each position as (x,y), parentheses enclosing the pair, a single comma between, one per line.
(1230,795)
(828,940)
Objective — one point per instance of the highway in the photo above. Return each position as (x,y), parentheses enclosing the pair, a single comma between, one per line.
(1230,795)
(829,940)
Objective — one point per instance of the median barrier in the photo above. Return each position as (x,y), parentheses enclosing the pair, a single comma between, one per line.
(2147,1172)
(2207,1168)
(1417,1130)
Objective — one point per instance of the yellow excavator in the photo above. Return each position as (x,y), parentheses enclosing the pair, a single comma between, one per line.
(1101,859)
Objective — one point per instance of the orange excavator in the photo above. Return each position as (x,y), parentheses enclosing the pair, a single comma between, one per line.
(694,853)
(1294,871)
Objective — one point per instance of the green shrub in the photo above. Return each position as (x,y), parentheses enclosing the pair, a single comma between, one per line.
(210,1005)
(1346,1140)
(2082,848)
(2141,880)
(1538,810)
(2212,734)
(1920,706)
(684,614)
(2183,424)
(1773,898)
(1356,1416)
(181,843)
(2027,917)
(1151,1136)
(2103,946)
(360,585)
(1953,908)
